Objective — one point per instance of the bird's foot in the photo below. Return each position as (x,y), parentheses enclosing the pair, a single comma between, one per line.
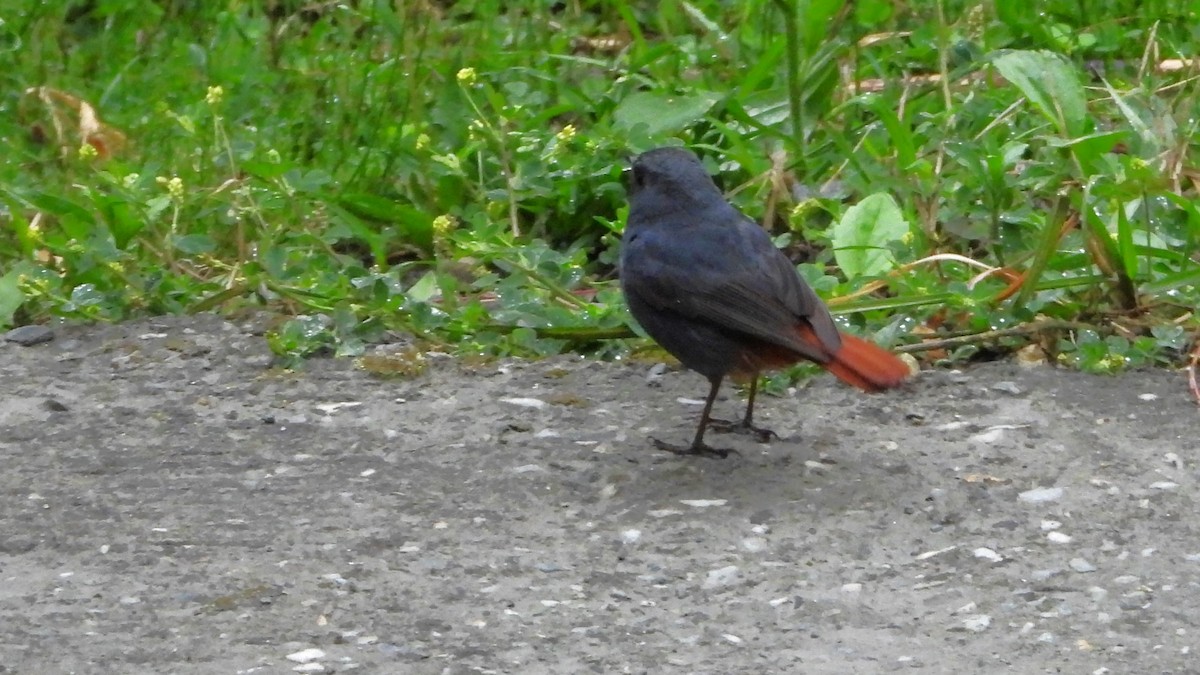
(742,427)
(694,450)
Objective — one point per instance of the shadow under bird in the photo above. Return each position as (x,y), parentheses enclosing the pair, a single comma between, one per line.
(709,286)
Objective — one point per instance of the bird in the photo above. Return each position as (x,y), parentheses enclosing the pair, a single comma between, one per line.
(710,287)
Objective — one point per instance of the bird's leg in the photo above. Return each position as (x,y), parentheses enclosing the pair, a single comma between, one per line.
(698,446)
(746,426)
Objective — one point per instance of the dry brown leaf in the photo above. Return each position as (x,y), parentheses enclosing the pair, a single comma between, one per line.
(70,132)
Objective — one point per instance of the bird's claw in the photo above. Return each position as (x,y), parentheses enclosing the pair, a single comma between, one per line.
(694,450)
(727,427)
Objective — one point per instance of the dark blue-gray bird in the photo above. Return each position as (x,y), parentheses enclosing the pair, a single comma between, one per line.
(709,286)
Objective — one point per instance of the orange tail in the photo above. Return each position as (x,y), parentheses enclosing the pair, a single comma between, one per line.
(862,364)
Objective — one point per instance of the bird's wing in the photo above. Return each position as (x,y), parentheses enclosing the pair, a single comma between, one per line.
(736,279)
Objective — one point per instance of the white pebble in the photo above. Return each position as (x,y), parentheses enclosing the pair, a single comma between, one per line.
(1059,537)
(663,513)
(988,554)
(1164,485)
(988,437)
(631,536)
(1048,525)
(977,623)
(760,529)
(330,408)
(702,503)
(754,544)
(1125,579)
(313,667)
(690,401)
(1097,593)
(536,403)
(306,655)
(546,433)
(1081,565)
(723,576)
(1148,397)
(929,554)
(732,638)
(367,474)
(779,601)
(851,588)
(1041,495)
(1007,387)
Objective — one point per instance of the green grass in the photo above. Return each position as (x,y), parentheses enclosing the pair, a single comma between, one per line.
(452,170)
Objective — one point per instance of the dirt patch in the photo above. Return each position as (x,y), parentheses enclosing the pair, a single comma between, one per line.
(171,505)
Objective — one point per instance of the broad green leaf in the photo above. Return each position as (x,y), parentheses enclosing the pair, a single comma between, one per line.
(61,207)
(1135,120)
(1051,83)
(194,244)
(861,237)
(425,289)
(814,18)
(416,225)
(123,221)
(11,297)
(872,13)
(663,114)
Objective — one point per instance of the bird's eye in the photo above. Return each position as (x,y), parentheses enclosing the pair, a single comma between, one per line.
(637,175)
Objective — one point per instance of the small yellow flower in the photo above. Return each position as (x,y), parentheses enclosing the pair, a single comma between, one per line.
(475,130)
(214,95)
(273,156)
(442,225)
(450,162)
(130,180)
(173,185)
(908,237)
(87,151)
(423,142)
(466,77)
(566,134)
